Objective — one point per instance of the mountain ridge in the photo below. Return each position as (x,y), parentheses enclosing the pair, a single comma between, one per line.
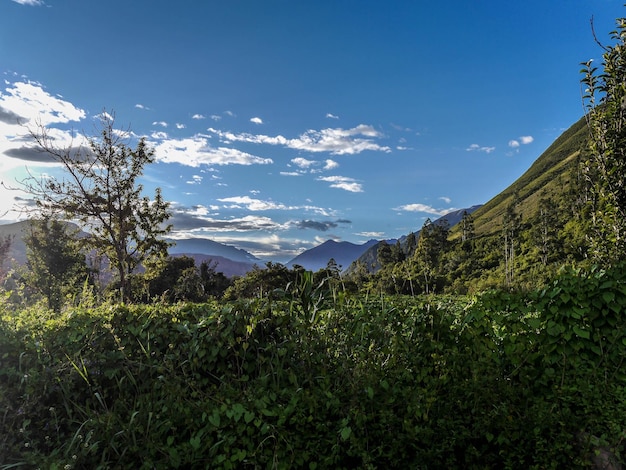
(343,252)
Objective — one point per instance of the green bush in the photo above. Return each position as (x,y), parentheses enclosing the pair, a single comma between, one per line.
(500,380)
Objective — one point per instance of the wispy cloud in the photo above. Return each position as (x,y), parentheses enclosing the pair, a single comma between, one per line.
(199,116)
(331,116)
(312,166)
(160,123)
(256,120)
(336,141)
(253,204)
(195,179)
(343,182)
(32,3)
(141,106)
(256,205)
(479,148)
(416,207)
(371,235)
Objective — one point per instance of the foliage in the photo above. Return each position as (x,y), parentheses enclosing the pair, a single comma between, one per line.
(178,279)
(5,246)
(499,380)
(261,282)
(101,192)
(605,168)
(56,262)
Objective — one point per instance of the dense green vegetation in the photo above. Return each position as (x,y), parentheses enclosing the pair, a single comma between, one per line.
(494,381)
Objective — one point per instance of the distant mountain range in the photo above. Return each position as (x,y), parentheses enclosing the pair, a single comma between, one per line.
(229,260)
(344,253)
(232,261)
(210,247)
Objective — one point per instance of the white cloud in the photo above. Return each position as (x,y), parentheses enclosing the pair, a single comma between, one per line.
(523,140)
(445,199)
(180,126)
(159,135)
(199,116)
(215,117)
(343,182)
(30,102)
(195,179)
(104,116)
(290,173)
(371,235)
(256,120)
(195,151)
(337,141)
(422,208)
(303,162)
(254,204)
(331,116)
(24,106)
(160,123)
(141,106)
(330,164)
(478,148)
(32,3)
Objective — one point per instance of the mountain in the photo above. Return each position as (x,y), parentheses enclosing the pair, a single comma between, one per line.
(344,253)
(211,248)
(230,260)
(551,175)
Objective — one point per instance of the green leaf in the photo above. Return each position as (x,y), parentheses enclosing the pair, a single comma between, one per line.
(195,442)
(580,332)
(608,297)
(214,419)
(345,432)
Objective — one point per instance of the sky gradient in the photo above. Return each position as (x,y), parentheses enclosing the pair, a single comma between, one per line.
(278,125)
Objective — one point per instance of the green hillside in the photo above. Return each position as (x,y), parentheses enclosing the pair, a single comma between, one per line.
(548,176)
(542,212)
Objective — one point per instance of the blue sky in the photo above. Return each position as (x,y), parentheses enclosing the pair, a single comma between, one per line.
(281,124)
